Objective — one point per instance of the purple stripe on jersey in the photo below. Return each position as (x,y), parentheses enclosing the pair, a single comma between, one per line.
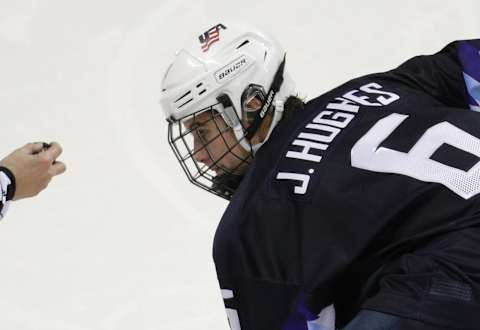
(468,52)
(469,55)
(298,320)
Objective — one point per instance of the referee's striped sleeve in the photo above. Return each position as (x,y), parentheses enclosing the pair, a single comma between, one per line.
(7,189)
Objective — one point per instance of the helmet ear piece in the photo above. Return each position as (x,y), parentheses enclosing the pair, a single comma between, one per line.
(252,100)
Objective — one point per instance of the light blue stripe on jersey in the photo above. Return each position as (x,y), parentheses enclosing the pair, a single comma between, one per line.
(473,88)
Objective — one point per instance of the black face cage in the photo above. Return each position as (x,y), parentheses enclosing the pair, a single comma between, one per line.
(215,177)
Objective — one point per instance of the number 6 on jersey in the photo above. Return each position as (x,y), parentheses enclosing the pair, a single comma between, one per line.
(366,154)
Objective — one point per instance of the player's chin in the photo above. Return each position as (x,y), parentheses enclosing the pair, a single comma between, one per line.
(226,171)
(221,170)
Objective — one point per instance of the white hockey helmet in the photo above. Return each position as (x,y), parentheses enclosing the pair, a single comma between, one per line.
(227,66)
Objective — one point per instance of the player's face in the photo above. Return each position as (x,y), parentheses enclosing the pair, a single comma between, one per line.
(215,144)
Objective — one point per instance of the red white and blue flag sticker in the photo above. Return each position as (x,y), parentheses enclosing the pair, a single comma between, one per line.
(211,36)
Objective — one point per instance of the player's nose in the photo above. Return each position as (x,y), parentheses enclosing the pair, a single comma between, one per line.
(200,153)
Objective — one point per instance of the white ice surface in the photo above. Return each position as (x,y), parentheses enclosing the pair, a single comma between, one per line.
(122,241)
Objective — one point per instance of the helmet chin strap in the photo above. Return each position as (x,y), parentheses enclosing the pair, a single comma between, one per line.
(239,132)
(231,119)
(226,184)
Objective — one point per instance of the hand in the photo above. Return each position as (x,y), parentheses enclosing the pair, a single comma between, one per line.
(33,166)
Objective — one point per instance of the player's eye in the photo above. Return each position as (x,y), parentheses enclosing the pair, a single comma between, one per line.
(201,131)
(192,128)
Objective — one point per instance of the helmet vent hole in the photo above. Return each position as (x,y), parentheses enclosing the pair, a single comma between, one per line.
(184,104)
(243,44)
(181,97)
(199,85)
(203,91)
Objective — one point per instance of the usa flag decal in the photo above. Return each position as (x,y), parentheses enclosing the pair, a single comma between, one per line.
(210,37)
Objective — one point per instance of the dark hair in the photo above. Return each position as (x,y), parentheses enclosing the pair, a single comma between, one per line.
(292,105)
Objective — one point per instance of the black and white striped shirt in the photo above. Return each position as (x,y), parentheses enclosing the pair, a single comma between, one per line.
(7,189)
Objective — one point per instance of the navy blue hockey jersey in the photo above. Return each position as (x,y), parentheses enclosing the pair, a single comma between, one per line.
(368,198)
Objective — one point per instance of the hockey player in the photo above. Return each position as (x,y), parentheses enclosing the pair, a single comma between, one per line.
(366,197)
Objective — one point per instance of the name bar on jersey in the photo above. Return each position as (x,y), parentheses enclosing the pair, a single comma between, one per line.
(327,125)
